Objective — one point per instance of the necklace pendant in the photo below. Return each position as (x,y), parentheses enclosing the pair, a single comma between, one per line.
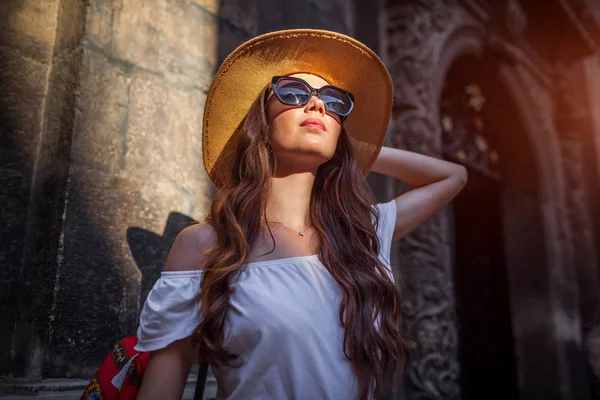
(301,233)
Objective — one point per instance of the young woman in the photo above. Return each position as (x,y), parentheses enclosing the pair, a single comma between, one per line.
(286,288)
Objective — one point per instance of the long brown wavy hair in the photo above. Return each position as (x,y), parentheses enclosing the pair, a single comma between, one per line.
(342,213)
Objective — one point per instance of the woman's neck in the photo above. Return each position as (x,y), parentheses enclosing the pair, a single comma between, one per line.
(289,200)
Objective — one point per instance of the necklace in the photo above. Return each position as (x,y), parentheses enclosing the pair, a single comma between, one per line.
(301,233)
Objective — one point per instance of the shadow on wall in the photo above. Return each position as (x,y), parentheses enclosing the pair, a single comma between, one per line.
(150,250)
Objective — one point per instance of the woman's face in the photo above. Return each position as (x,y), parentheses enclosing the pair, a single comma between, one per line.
(302,137)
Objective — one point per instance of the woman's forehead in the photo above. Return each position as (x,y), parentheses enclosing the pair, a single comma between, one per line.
(312,79)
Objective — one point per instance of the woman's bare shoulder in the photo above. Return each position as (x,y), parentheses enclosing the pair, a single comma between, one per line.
(188,250)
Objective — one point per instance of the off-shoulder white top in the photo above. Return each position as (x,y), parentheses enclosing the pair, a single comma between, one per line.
(283,322)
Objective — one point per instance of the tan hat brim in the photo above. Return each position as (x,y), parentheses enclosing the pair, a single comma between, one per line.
(339,59)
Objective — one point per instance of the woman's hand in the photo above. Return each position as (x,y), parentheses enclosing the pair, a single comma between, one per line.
(435,183)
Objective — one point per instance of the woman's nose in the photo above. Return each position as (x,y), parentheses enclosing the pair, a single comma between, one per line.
(315,104)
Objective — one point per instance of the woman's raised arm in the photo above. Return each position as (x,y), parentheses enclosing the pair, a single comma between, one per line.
(435,183)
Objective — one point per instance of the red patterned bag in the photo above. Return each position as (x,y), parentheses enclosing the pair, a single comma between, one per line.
(120,375)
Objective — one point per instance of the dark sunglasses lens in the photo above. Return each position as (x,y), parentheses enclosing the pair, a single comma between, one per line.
(292,92)
(336,101)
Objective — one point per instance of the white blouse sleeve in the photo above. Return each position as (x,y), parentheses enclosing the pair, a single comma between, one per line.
(385,232)
(171,311)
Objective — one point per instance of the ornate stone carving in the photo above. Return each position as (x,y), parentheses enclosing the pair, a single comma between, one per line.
(413,28)
(429,319)
(415,31)
(466,136)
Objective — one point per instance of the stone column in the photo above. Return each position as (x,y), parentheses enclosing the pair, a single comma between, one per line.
(587,123)
(573,125)
(39,66)
(134,156)
(546,318)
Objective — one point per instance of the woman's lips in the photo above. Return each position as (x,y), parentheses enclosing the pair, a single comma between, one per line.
(314,123)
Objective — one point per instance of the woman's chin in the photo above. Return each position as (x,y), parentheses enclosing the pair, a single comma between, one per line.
(306,158)
(318,154)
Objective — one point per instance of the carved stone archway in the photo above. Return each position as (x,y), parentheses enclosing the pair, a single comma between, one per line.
(424,38)
(416,32)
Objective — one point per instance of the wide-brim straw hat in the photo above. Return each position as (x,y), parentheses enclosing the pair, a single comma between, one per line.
(339,59)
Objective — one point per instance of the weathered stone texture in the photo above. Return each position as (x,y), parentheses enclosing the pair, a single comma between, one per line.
(29,27)
(175,39)
(98,289)
(99,139)
(136,157)
(39,65)
(163,135)
(41,254)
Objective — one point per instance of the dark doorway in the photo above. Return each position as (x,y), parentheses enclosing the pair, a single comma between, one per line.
(469,136)
(482,301)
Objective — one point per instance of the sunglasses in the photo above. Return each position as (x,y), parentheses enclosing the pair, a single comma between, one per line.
(297,92)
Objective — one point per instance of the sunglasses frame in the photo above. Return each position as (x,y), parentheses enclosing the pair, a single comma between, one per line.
(276,79)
